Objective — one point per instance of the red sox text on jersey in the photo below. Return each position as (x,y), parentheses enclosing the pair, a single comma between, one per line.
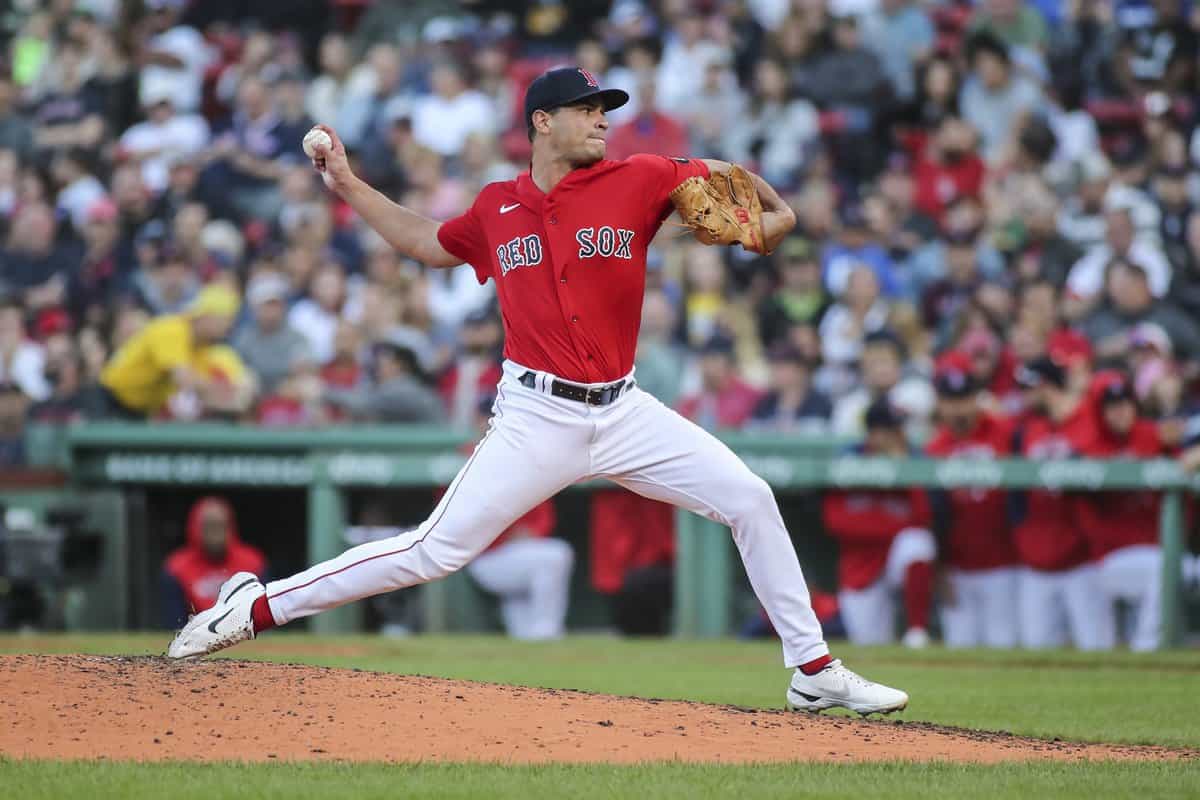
(570,264)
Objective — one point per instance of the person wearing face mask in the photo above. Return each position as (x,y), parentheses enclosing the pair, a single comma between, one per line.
(980,579)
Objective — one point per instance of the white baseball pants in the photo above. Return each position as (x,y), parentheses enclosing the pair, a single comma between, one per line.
(870,613)
(1055,607)
(536,445)
(982,611)
(532,577)
(1134,574)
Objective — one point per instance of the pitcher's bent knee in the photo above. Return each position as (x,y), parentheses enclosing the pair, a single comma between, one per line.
(750,498)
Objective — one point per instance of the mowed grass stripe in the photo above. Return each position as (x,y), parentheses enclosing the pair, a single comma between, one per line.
(41,780)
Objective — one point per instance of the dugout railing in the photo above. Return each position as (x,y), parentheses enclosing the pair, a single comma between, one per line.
(325,463)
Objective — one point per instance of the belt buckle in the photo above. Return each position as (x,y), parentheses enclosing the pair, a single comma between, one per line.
(594,397)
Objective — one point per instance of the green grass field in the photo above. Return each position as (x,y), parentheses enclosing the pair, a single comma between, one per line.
(1117,697)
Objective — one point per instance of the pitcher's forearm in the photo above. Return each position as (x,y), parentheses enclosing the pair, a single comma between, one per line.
(412,234)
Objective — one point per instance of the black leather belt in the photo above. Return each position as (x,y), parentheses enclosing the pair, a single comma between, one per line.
(599,396)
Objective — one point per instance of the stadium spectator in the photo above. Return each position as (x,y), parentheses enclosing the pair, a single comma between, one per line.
(270,345)
(212,553)
(660,360)
(995,94)
(649,131)
(724,399)
(791,403)
(885,544)
(399,391)
(475,370)
(161,360)
(799,298)
(882,366)
(632,553)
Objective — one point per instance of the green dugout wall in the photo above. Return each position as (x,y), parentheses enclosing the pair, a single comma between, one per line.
(325,462)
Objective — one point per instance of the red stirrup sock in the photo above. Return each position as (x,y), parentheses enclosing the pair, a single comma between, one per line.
(918,593)
(816,665)
(260,615)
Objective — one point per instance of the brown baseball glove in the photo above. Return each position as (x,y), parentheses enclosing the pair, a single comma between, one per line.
(722,209)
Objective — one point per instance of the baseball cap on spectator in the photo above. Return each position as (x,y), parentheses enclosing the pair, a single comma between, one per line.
(882,414)
(961,237)
(987,42)
(221,238)
(784,352)
(1127,153)
(950,381)
(265,287)
(1094,167)
(797,248)
(1067,347)
(153,232)
(717,344)
(1040,371)
(1117,390)
(567,85)
(888,337)
(216,300)
(851,215)
(410,343)
(156,93)
(1150,335)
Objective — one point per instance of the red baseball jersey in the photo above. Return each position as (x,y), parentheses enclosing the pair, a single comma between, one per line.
(1048,536)
(979,535)
(570,265)
(865,521)
(1112,520)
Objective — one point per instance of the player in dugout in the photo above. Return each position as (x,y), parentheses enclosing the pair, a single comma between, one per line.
(886,547)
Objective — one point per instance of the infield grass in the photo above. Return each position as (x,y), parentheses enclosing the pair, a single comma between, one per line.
(1115,697)
(892,780)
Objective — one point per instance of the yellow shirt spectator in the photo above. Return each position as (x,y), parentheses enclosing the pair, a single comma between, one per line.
(139,374)
(145,371)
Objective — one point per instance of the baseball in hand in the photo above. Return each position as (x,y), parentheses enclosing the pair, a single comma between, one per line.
(312,139)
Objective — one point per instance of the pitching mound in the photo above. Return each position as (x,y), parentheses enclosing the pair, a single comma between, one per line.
(151,709)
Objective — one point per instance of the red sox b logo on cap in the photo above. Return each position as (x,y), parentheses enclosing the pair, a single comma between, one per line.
(587,76)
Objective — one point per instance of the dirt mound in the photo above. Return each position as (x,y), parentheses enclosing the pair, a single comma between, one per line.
(151,709)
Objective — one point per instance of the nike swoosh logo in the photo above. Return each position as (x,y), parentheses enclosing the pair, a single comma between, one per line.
(243,585)
(212,626)
(506,209)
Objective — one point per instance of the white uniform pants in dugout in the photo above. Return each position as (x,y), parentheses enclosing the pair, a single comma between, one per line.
(532,578)
(536,445)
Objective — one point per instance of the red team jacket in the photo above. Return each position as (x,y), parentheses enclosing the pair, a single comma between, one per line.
(1047,533)
(200,577)
(570,265)
(978,536)
(1112,520)
(628,532)
(865,522)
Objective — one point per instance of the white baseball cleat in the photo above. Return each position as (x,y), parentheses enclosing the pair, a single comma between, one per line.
(225,624)
(838,686)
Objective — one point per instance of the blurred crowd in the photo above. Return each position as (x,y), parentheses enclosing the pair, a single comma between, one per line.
(1001,190)
(1005,180)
